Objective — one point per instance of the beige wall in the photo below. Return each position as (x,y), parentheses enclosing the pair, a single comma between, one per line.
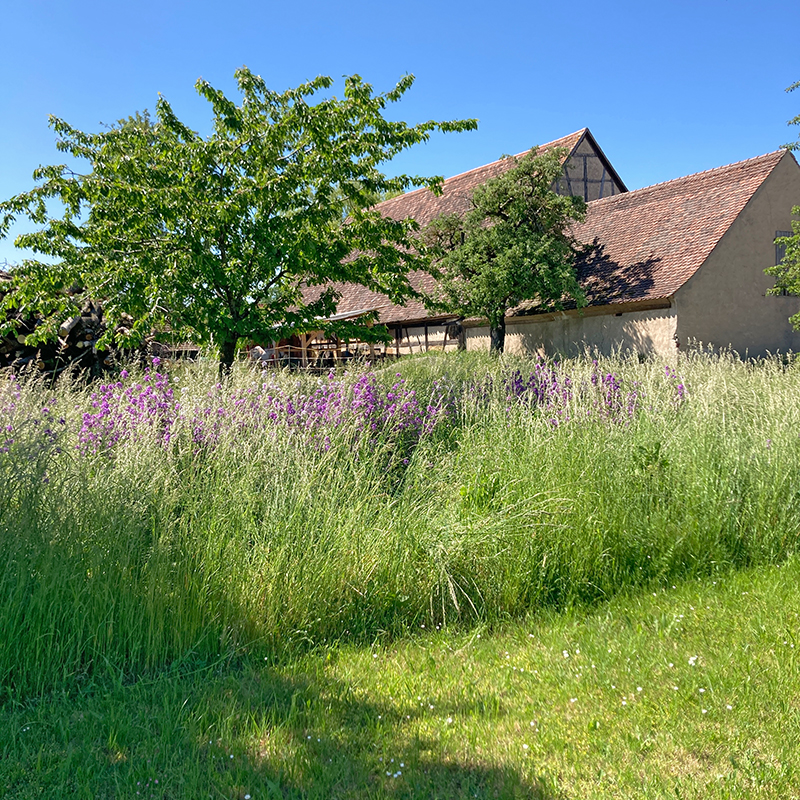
(724,303)
(571,334)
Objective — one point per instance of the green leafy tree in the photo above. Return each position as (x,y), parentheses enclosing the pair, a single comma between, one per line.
(787,273)
(513,245)
(794,120)
(213,237)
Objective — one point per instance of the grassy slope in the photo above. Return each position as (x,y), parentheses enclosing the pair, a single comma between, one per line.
(501,713)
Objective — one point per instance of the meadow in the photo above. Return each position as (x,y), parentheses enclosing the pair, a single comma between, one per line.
(411,562)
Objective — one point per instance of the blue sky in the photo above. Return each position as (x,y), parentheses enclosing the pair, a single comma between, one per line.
(667,88)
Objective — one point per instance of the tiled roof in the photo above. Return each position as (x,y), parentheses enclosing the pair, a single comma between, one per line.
(651,241)
(424,206)
(357,298)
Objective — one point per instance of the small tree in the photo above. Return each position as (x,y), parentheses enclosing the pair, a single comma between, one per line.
(794,120)
(514,245)
(214,237)
(787,273)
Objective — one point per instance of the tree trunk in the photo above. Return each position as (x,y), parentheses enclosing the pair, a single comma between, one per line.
(497,336)
(227,352)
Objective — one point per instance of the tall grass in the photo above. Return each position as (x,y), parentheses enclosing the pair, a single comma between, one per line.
(186,524)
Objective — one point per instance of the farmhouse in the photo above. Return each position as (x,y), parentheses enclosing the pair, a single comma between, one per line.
(674,263)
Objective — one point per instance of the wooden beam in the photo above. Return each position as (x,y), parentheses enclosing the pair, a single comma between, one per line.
(304,349)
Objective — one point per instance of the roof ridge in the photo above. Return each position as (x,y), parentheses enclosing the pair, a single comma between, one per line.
(631,192)
(581,131)
(516,155)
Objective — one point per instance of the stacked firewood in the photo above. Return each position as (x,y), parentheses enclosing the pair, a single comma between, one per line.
(75,348)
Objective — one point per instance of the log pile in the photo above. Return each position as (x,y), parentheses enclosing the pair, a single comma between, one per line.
(75,348)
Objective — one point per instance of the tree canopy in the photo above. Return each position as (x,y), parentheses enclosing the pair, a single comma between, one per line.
(214,237)
(787,273)
(513,245)
(794,120)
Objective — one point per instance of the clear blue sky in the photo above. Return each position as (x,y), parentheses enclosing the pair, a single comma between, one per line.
(667,88)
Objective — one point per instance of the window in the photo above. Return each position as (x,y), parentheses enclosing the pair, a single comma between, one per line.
(780,249)
(780,254)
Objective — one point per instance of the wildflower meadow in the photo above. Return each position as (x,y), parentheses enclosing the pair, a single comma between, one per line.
(163,529)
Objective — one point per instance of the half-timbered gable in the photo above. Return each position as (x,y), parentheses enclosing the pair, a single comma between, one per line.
(588,173)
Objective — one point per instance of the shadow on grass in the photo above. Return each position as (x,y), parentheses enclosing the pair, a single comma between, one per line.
(244,732)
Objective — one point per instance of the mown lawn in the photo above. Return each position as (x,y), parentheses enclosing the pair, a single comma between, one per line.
(693,692)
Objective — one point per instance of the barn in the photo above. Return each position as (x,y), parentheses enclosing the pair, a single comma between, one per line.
(673,264)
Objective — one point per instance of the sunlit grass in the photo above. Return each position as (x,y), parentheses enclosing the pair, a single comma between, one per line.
(524,599)
(690,693)
(270,541)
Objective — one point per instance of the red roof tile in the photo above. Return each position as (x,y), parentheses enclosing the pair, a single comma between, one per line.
(356,298)
(654,239)
(651,241)
(424,206)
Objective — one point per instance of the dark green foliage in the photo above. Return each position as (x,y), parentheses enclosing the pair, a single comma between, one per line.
(514,245)
(787,273)
(214,237)
(794,120)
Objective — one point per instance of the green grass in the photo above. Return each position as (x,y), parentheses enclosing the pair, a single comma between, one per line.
(164,608)
(500,713)
(268,545)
